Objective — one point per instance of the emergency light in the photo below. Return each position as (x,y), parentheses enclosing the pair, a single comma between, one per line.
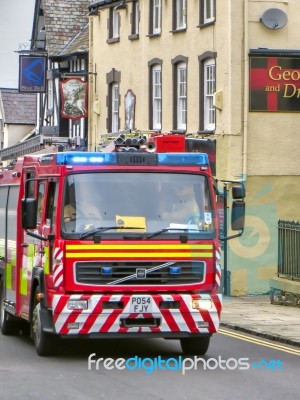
(132,158)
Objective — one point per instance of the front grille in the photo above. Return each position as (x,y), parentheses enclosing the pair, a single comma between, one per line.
(136,273)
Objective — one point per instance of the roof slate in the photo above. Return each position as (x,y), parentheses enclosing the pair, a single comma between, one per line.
(63,20)
(18,108)
(79,44)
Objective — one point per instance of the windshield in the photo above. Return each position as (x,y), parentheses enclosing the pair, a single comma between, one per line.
(132,203)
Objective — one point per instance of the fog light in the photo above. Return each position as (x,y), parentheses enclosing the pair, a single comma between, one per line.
(204,304)
(73,325)
(77,305)
(202,324)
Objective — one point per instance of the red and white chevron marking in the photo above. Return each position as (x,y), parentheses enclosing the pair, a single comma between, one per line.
(218,268)
(96,319)
(57,267)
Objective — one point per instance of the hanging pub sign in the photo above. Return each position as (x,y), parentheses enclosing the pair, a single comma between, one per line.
(73,98)
(32,74)
(274,84)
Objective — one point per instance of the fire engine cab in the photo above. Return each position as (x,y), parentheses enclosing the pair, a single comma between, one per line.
(118,244)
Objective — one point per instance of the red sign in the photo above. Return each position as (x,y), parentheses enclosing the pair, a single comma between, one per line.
(74,98)
(274,84)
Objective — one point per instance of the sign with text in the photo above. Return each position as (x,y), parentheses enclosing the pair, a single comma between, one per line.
(32,74)
(274,84)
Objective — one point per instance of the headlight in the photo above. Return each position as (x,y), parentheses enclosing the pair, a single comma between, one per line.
(204,304)
(77,305)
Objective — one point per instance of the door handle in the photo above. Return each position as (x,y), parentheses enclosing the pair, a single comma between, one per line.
(24,244)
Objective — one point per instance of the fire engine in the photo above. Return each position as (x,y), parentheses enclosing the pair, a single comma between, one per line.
(113,244)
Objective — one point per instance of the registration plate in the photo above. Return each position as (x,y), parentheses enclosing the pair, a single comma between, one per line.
(141,304)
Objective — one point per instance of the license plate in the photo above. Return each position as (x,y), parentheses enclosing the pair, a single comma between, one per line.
(141,304)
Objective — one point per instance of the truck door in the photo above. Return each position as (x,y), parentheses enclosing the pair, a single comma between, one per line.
(37,252)
(8,243)
(32,250)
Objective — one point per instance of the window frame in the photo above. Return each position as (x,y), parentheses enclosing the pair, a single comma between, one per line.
(179,15)
(177,123)
(156,99)
(113,77)
(115,107)
(135,21)
(113,26)
(206,99)
(204,19)
(155,20)
(181,95)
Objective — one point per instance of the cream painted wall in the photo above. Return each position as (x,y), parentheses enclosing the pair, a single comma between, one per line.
(263,148)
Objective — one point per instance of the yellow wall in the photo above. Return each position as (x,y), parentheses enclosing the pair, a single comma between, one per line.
(261,147)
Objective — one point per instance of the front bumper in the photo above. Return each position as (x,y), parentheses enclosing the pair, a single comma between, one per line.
(108,315)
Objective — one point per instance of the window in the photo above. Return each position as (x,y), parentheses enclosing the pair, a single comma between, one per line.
(179,14)
(114,26)
(115,107)
(156,99)
(207,11)
(155,17)
(209,89)
(181,96)
(180,93)
(135,19)
(207,116)
(155,93)
(113,79)
(41,198)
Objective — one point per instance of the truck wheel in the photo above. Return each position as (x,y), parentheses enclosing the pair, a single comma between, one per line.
(43,341)
(195,346)
(8,325)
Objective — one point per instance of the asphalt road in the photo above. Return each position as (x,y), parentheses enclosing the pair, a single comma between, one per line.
(271,370)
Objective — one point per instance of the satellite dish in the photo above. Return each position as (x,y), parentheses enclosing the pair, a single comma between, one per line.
(274,18)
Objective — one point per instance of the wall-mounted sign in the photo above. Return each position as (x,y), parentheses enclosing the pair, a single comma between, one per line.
(274,84)
(32,74)
(74,98)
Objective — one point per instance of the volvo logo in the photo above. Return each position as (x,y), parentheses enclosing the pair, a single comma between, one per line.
(141,273)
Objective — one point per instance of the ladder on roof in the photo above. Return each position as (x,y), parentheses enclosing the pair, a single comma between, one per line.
(35,144)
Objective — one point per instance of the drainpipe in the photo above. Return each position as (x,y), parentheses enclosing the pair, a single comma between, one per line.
(246,94)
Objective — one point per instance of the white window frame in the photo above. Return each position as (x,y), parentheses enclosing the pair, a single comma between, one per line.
(156,96)
(136,18)
(208,11)
(115,25)
(180,14)
(209,89)
(115,107)
(181,95)
(156,16)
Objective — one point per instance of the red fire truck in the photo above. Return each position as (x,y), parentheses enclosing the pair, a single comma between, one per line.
(117,244)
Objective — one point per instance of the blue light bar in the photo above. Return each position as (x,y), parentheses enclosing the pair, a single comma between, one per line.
(182,159)
(86,158)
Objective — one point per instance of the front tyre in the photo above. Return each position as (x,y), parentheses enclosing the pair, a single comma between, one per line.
(43,342)
(195,346)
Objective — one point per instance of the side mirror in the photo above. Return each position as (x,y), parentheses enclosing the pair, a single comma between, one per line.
(238,215)
(29,213)
(238,192)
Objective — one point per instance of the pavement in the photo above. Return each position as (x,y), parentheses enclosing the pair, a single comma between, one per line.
(256,315)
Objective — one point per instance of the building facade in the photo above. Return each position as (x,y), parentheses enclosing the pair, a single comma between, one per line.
(223,69)
(17,116)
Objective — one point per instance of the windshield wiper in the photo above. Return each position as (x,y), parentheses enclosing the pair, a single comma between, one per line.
(170,229)
(101,229)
